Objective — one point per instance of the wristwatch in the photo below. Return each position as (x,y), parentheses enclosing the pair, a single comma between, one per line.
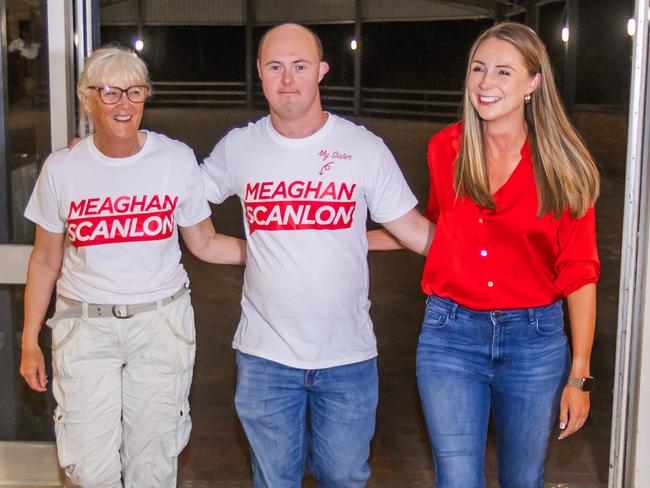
(584,383)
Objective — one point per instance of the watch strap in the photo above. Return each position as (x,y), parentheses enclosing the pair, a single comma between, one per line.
(584,383)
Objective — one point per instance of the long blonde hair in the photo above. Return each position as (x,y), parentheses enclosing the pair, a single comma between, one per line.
(565,173)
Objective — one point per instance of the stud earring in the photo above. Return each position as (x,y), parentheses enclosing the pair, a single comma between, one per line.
(527,98)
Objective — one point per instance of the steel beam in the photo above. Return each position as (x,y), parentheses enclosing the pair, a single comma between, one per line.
(250,54)
(532,15)
(357,56)
(571,54)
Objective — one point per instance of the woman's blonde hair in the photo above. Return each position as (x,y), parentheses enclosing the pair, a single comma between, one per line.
(565,173)
(110,63)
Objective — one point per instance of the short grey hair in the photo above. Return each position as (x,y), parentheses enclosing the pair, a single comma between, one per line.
(110,62)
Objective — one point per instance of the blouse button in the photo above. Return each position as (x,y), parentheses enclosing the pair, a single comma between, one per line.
(490,284)
(480,220)
(483,252)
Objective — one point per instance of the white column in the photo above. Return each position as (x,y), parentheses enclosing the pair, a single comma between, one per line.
(59,34)
(629,465)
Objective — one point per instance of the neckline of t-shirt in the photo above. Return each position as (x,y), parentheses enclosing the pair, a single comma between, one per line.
(119,161)
(303,141)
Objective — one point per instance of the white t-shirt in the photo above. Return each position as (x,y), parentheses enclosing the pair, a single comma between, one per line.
(120,217)
(305,202)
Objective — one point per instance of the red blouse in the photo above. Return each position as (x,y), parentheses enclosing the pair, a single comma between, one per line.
(507,257)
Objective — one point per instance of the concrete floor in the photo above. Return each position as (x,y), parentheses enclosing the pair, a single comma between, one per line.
(217,455)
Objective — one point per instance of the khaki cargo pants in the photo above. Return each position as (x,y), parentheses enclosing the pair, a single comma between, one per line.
(122,389)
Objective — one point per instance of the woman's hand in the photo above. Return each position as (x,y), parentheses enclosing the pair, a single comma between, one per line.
(574,404)
(574,409)
(32,368)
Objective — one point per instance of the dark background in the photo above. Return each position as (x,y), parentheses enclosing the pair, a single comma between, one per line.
(408,55)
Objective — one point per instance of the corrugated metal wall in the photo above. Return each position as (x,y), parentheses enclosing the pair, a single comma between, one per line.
(233,12)
(176,12)
(304,12)
(384,10)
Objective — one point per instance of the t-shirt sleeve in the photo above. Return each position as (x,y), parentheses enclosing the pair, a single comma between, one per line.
(194,207)
(577,264)
(388,195)
(43,205)
(217,177)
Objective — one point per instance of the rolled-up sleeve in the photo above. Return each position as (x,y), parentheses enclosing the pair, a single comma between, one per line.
(578,263)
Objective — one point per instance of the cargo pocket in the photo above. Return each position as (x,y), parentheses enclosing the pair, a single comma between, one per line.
(62,448)
(180,435)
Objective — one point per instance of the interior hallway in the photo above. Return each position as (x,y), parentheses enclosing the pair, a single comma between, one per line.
(217,455)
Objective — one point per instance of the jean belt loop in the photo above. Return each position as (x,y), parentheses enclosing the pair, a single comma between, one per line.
(452,312)
(159,305)
(84,310)
(532,315)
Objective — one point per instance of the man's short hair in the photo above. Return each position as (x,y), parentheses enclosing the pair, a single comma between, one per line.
(319,44)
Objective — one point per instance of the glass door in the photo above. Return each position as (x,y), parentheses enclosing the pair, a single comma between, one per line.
(36,116)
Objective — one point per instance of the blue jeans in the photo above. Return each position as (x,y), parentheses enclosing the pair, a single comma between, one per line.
(321,418)
(513,362)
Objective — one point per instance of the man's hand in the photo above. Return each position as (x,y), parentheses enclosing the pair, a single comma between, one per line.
(32,368)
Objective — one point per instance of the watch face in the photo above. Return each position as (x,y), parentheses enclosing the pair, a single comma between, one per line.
(587,383)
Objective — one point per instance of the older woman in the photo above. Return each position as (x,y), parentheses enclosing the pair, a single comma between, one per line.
(123,340)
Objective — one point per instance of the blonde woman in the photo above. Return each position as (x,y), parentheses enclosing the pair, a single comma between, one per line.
(108,213)
(512,194)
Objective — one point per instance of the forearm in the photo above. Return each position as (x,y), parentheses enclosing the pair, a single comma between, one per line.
(41,279)
(419,240)
(223,249)
(382,240)
(413,231)
(204,242)
(582,315)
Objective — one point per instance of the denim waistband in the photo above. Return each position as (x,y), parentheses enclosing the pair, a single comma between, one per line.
(530,314)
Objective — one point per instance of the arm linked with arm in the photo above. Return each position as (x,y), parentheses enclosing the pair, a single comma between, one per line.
(382,240)
(208,245)
(411,231)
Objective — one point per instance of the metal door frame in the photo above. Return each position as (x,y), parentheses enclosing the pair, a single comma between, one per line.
(70,29)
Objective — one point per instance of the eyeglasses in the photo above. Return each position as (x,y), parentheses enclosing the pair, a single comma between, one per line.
(110,95)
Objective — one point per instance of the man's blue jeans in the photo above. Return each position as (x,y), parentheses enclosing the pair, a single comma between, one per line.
(322,418)
(513,362)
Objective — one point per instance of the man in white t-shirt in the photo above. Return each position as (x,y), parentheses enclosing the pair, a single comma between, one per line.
(306,351)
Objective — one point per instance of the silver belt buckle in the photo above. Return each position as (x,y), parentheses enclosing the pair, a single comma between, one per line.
(121,312)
